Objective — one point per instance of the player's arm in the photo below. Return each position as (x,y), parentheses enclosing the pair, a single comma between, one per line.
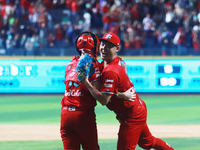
(127,95)
(95,91)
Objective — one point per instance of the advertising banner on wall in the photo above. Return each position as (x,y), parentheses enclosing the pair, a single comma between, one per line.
(147,75)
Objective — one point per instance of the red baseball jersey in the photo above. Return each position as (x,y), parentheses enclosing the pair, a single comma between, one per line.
(76,93)
(114,80)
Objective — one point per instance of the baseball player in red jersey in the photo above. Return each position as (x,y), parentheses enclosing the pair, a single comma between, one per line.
(78,120)
(132,115)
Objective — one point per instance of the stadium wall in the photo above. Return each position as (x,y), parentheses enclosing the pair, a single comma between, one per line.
(148,74)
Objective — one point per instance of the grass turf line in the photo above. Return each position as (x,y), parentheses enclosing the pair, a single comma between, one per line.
(46,110)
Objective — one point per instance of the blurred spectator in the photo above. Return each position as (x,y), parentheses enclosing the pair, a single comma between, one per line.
(14,25)
(179,9)
(76,31)
(9,11)
(166,42)
(130,20)
(3,37)
(180,41)
(75,7)
(1,23)
(169,16)
(9,45)
(16,41)
(198,16)
(22,43)
(96,19)
(34,15)
(69,34)
(189,41)
(60,32)
(17,9)
(149,33)
(23,40)
(29,47)
(138,30)
(106,21)
(87,17)
(196,42)
(25,4)
(42,19)
(138,46)
(135,12)
(51,41)
(3,2)
(127,46)
(130,33)
(37,45)
(43,35)
(16,45)
(48,4)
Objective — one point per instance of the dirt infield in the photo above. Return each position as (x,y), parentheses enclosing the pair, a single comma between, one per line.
(51,132)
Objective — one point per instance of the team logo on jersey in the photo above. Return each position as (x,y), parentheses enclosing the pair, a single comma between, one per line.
(72,93)
(108,36)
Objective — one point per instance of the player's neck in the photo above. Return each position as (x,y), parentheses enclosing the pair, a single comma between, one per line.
(107,62)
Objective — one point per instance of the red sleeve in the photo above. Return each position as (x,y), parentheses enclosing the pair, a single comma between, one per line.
(110,83)
(70,65)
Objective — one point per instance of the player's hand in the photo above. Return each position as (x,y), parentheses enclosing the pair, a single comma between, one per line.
(130,94)
(85,67)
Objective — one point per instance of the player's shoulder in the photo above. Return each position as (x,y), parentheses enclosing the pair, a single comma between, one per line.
(122,63)
(75,57)
(73,61)
(111,68)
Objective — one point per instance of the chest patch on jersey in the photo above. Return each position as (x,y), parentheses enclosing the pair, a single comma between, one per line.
(72,93)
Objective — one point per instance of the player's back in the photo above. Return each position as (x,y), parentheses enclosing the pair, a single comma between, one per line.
(76,93)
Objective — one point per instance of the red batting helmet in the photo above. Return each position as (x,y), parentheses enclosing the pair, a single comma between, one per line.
(88,41)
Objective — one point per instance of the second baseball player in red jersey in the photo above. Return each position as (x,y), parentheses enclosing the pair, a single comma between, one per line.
(132,115)
(115,79)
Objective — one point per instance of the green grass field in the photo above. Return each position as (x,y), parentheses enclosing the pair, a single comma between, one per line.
(36,109)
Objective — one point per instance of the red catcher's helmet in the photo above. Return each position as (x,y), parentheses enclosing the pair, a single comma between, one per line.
(88,41)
